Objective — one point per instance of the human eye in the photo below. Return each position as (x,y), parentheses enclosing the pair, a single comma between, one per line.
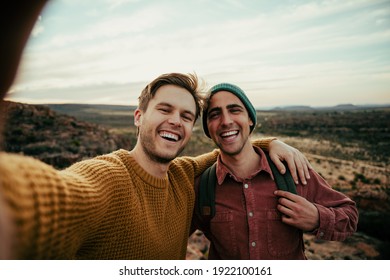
(164,109)
(236,110)
(188,117)
(213,115)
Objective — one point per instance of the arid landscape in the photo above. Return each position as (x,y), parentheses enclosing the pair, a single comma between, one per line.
(348,145)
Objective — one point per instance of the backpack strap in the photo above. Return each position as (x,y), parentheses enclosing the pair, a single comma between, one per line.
(284,182)
(206,197)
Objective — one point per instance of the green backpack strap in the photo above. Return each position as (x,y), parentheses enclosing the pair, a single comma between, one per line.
(206,197)
(284,182)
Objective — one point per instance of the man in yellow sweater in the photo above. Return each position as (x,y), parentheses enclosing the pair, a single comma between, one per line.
(124,205)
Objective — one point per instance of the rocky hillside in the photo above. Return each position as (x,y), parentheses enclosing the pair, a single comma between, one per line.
(56,139)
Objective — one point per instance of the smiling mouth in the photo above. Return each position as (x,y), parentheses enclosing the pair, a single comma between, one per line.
(169,136)
(229,133)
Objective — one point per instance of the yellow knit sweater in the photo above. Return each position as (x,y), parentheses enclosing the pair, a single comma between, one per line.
(103,208)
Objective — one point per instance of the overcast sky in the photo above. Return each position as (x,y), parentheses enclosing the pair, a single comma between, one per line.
(317,53)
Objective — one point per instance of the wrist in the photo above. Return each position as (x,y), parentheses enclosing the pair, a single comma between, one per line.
(264,143)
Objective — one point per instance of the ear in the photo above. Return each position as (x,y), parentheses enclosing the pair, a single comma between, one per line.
(250,122)
(137,117)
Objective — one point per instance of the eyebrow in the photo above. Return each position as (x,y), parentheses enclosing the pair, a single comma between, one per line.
(230,106)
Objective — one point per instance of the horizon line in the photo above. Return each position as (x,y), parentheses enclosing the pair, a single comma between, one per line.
(256,107)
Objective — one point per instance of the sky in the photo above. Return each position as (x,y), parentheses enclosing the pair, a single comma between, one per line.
(281,53)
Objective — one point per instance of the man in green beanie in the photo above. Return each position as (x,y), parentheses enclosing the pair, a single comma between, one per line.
(253,219)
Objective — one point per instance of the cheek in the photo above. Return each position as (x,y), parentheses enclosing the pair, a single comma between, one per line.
(188,130)
(212,126)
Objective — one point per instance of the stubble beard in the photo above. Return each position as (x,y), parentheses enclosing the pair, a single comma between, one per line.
(234,152)
(150,149)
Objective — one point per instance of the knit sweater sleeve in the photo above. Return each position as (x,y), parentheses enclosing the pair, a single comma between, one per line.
(52,212)
(196,165)
(263,143)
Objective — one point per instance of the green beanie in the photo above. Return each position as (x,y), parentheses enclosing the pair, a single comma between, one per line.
(237,92)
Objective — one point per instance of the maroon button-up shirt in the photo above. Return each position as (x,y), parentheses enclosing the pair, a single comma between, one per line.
(247,224)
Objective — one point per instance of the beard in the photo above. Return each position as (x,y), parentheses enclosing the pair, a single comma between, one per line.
(149,147)
(230,153)
(235,151)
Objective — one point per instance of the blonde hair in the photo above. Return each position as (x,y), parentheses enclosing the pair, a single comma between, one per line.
(187,81)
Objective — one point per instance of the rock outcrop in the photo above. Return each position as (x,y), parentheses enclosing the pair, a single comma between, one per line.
(56,139)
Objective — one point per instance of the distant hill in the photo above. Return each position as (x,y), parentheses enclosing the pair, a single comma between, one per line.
(341,107)
(111,116)
(294,108)
(55,138)
(66,108)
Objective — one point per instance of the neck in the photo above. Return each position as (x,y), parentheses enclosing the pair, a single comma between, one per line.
(152,167)
(243,164)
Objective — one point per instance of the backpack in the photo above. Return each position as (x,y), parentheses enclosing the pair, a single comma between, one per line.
(208,181)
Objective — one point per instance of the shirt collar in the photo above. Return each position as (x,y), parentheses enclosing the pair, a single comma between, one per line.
(222,170)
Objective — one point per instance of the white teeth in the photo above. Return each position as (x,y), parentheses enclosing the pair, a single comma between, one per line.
(169,135)
(229,133)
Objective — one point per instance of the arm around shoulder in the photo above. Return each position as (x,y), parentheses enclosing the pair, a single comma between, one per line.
(200,163)
(264,142)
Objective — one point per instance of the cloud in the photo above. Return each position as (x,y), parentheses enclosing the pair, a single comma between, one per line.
(115,4)
(279,48)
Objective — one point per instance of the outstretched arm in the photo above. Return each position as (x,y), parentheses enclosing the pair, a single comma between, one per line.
(18,19)
(296,161)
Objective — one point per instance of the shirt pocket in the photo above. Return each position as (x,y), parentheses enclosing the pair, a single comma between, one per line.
(283,240)
(222,227)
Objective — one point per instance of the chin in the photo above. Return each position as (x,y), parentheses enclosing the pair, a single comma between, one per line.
(167,157)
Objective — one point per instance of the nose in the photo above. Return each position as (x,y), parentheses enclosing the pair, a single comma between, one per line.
(226,119)
(175,119)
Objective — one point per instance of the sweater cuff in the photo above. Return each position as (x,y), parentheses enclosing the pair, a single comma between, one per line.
(264,142)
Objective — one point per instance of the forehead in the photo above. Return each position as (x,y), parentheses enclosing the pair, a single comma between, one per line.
(223,99)
(174,96)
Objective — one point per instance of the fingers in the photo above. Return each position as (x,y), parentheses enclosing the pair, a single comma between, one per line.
(306,165)
(297,211)
(300,165)
(292,166)
(278,163)
(286,194)
(288,199)
(296,162)
(287,220)
(302,168)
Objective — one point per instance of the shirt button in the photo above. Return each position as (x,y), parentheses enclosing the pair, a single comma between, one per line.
(250,214)
(322,234)
(246,186)
(253,244)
